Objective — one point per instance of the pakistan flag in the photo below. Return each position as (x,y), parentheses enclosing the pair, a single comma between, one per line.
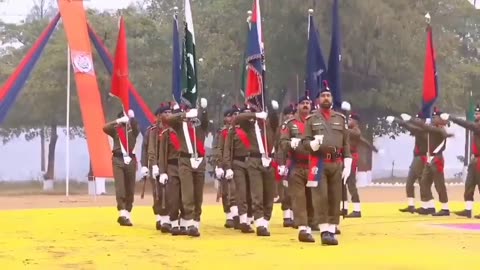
(189,61)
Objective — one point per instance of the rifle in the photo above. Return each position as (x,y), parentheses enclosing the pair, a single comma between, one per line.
(144,179)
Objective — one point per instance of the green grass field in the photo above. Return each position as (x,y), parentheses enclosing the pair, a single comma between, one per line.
(89,238)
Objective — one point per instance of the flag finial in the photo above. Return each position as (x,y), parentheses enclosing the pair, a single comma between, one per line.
(249,18)
(310,11)
(427,17)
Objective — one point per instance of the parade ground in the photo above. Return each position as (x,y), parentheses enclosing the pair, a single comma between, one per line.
(53,232)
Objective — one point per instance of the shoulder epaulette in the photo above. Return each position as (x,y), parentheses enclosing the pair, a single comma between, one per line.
(309,116)
(288,121)
(340,114)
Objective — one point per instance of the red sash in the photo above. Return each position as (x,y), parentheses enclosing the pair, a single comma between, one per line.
(242,135)
(439,163)
(224,133)
(475,152)
(355,158)
(123,138)
(278,177)
(199,143)
(175,141)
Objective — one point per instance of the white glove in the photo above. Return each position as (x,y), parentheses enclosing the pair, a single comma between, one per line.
(131,114)
(346,106)
(347,169)
(445,116)
(155,171)
(319,138)
(176,107)
(192,113)
(123,119)
(282,170)
(203,103)
(163,178)
(428,121)
(315,145)
(229,174)
(219,173)
(390,119)
(127,160)
(261,115)
(294,142)
(144,171)
(275,105)
(405,117)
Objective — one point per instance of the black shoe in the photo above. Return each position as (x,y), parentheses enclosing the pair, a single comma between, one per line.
(425,211)
(464,213)
(408,209)
(337,231)
(304,236)
(158,225)
(314,228)
(288,222)
(175,231)
(477,216)
(354,214)
(344,212)
(328,239)
(262,231)
(193,231)
(236,222)
(442,213)
(183,231)
(166,228)
(229,224)
(246,228)
(123,221)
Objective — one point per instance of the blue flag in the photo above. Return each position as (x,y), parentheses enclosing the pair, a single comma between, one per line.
(176,64)
(334,60)
(316,68)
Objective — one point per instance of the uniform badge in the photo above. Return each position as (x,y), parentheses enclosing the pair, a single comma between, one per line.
(82,62)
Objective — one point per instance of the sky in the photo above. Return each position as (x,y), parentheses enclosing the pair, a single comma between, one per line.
(14,11)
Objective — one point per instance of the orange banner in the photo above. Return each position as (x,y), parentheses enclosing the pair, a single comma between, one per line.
(75,25)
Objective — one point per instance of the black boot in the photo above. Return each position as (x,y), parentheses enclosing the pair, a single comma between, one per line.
(166,228)
(193,231)
(354,214)
(304,236)
(425,211)
(229,224)
(337,231)
(236,222)
(477,216)
(288,222)
(408,209)
(262,231)
(183,231)
(442,213)
(464,213)
(175,231)
(328,239)
(123,221)
(246,228)
(158,225)
(344,212)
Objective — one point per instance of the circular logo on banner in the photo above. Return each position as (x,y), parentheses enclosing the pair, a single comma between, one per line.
(83,63)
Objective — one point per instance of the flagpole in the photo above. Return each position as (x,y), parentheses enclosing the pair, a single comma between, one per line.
(67,144)
(427,19)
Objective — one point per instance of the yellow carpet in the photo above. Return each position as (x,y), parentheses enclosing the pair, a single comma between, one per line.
(89,238)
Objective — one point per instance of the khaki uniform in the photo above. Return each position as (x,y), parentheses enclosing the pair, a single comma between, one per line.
(192,180)
(124,174)
(144,152)
(326,165)
(235,154)
(168,163)
(262,179)
(298,171)
(433,171)
(473,175)
(227,186)
(154,150)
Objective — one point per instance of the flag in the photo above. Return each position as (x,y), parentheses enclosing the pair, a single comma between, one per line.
(316,68)
(430,85)
(189,60)
(335,58)
(254,90)
(120,80)
(176,64)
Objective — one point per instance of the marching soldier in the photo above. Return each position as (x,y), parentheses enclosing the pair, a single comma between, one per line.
(356,139)
(158,182)
(284,162)
(260,172)
(473,176)
(124,162)
(169,180)
(292,133)
(326,134)
(433,171)
(419,158)
(227,185)
(191,162)
(235,155)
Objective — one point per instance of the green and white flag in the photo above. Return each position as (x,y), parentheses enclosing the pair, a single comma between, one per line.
(189,60)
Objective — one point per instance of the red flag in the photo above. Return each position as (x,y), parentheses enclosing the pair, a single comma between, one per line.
(120,68)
